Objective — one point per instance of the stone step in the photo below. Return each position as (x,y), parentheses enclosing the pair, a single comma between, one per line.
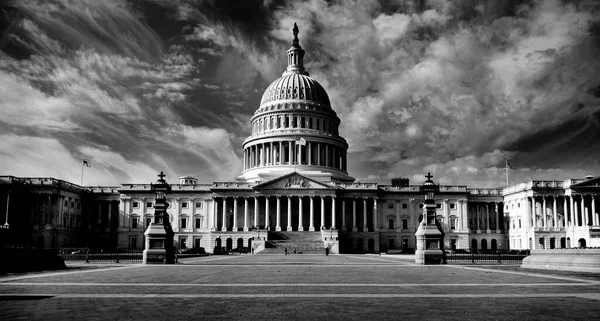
(281,251)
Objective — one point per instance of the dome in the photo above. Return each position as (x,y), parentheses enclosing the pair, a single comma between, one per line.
(295,86)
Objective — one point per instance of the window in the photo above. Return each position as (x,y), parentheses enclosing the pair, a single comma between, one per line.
(148,221)
(452,206)
(518,204)
(391,224)
(438,205)
(519,223)
(134,223)
(184,205)
(390,205)
(184,223)
(198,205)
(72,204)
(404,205)
(453,223)
(136,204)
(182,242)
(197,242)
(198,223)
(67,203)
(148,204)
(405,223)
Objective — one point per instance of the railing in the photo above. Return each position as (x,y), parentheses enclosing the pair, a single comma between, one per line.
(475,258)
(127,256)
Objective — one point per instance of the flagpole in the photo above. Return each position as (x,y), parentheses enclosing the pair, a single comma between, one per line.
(506,165)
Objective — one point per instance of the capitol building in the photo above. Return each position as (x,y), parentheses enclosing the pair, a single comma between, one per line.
(295,192)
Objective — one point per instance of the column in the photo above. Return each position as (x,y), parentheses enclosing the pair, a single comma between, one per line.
(565,210)
(333,212)
(477,216)
(110,211)
(375,213)
(533,213)
(554,214)
(343,215)
(574,218)
(214,214)
(6,217)
(267,213)
(365,225)
(354,228)
(322,212)
(319,154)
(234,227)
(278,221)
(583,214)
(245,214)
(224,215)
(289,213)
(300,216)
(255,211)
(312,214)
(459,210)
(545,212)
(594,216)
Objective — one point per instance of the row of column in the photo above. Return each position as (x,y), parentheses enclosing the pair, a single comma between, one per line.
(313,153)
(486,216)
(580,214)
(289,227)
(293,121)
(577,210)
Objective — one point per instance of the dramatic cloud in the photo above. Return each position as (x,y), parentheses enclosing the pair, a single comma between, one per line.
(447,86)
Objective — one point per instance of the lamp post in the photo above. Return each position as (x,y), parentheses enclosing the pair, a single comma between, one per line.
(159,234)
(430,236)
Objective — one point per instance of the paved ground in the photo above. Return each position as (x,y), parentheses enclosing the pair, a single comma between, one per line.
(304,287)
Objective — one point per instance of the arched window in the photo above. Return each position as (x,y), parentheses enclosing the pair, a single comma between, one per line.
(474,245)
(552,243)
(581,243)
(484,245)
(542,243)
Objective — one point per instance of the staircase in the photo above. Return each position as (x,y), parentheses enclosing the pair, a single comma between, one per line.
(303,242)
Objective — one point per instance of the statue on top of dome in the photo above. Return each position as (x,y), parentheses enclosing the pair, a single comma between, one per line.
(295,31)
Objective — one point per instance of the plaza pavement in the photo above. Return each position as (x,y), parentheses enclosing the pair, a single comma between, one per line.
(299,287)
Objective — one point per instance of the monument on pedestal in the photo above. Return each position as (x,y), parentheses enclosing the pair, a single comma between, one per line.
(159,235)
(430,236)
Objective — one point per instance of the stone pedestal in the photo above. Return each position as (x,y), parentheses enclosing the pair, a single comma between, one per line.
(159,245)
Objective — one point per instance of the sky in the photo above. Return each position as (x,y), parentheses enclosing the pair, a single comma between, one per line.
(451,87)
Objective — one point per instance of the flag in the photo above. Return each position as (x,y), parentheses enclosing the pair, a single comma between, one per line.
(300,141)
(86,163)
(508,165)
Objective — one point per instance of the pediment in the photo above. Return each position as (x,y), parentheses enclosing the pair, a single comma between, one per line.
(293,181)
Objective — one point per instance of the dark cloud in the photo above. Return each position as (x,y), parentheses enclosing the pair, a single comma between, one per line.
(448,86)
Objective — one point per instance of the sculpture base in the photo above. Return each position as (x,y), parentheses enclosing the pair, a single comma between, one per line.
(159,245)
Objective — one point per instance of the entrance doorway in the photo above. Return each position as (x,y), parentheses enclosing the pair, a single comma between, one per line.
(581,243)
(229,244)
(371,246)
(474,246)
